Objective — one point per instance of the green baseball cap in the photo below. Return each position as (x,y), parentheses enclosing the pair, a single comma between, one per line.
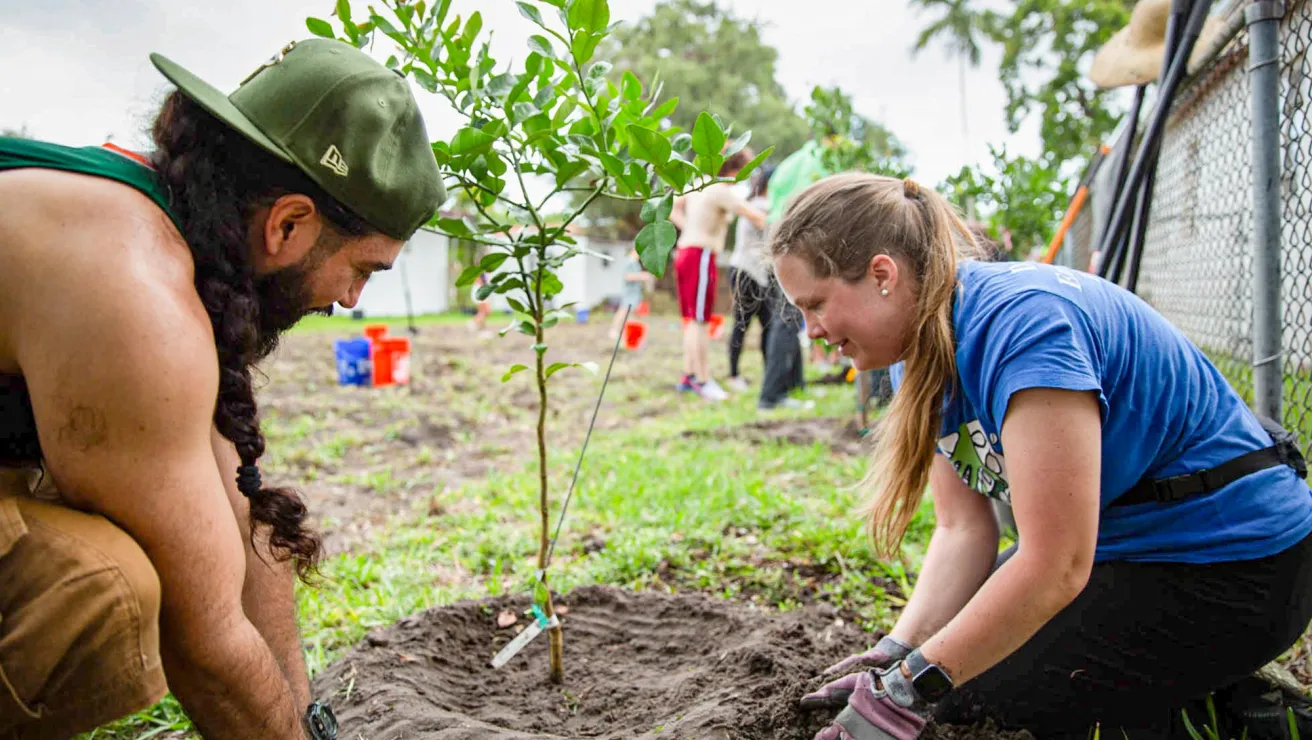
(342,118)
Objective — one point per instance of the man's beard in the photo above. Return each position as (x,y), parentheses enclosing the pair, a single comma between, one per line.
(284,297)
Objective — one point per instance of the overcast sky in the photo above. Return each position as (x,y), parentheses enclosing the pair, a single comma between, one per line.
(76,71)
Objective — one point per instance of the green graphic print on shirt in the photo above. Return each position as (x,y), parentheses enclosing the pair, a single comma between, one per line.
(982,468)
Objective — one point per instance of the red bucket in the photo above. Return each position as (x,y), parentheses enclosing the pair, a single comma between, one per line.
(391,361)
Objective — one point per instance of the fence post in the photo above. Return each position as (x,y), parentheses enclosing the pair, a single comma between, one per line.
(1263,19)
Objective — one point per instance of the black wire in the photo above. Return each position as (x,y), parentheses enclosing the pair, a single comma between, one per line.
(579,464)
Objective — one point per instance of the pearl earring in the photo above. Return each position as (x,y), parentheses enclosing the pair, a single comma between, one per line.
(883,291)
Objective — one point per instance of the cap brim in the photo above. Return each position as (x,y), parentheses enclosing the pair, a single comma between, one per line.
(209,98)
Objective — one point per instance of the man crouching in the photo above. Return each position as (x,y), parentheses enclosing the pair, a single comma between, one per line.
(139,550)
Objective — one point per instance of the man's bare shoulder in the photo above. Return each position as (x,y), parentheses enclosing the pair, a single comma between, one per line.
(100,278)
(87,224)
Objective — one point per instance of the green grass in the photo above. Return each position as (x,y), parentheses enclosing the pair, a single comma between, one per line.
(679,503)
(345,324)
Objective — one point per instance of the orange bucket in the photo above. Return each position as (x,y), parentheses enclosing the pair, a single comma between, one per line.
(635,335)
(375,332)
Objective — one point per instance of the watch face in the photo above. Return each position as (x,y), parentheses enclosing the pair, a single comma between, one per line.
(932,683)
(322,721)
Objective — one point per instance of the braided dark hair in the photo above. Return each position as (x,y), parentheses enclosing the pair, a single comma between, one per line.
(217,179)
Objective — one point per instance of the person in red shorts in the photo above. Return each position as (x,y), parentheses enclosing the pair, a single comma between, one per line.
(703,220)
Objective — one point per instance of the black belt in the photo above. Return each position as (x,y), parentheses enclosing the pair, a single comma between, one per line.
(1285,451)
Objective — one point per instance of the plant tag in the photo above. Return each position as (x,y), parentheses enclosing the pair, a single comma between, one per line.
(522,639)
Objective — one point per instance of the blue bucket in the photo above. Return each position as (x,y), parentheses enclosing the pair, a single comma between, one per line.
(353,364)
(581,315)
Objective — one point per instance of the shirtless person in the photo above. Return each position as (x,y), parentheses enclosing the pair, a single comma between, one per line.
(137,543)
(703,218)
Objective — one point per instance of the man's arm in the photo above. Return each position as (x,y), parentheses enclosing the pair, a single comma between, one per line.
(269,594)
(961,552)
(123,376)
(678,212)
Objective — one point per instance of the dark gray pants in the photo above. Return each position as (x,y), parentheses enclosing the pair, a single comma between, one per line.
(783,350)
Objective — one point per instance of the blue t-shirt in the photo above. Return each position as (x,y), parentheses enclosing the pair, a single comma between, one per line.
(1166,410)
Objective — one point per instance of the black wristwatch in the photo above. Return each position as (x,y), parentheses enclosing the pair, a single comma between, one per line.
(930,681)
(320,722)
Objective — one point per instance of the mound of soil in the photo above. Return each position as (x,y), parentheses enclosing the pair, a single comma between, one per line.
(638,665)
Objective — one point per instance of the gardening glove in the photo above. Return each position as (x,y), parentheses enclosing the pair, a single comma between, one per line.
(879,707)
(885,653)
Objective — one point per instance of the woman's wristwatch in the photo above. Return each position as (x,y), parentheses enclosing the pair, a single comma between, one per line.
(930,681)
(320,722)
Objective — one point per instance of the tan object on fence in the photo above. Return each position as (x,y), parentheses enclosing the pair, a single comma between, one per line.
(1133,56)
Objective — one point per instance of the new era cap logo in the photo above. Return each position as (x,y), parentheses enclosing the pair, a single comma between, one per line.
(333,160)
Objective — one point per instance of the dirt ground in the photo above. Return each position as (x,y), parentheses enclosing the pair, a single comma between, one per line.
(642,665)
(360,455)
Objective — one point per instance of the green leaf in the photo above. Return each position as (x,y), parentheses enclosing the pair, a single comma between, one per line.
(599,70)
(583,46)
(530,12)
(515,304)
(681,142)
(468,275)
(551,285)
(526,328)
(472,27)
(492,261)
(707,135)
(540,348)
(542,45)
(738,144)
(756,162)
(612,164)
(551,370)
(470,141)
(513,369)
(630,86)
(344,11)
(658,209)
(654,243)
(384,25)
(665,109)
(455,227)
(485,291)
(478,168)
(648,145)
(589,15)
(677,173)
(541,594)
(320,27)
(569,172)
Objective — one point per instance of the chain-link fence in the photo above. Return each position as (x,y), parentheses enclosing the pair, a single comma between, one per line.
(1197,264)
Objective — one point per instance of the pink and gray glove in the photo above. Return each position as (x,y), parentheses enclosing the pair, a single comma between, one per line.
(878,708)
(885,653)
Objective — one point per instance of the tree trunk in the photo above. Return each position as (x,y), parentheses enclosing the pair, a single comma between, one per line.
(555,636)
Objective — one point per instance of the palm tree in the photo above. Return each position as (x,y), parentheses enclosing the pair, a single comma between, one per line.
(958,27)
